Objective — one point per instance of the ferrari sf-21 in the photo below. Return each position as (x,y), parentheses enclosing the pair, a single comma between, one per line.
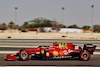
(62,50)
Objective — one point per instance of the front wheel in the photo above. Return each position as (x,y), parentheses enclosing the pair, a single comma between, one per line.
(85,55)
(24,55)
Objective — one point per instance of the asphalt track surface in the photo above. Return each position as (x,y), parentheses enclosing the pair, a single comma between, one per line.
(38,42)
(94,61)
(47,42)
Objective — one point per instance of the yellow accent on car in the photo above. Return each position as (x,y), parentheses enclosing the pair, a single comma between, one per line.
(42,51)
(55,53)
(61,53)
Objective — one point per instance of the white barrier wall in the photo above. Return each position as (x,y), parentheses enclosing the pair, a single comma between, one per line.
(66,30)
(70,30)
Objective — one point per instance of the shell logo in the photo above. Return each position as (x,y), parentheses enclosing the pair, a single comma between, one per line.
(55,53)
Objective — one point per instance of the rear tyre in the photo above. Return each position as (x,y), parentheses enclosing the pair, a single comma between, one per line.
(85,55)
(24,55)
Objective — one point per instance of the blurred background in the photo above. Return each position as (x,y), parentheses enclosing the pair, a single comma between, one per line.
(66,16)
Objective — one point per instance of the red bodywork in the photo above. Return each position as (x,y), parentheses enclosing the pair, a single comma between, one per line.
(57,50)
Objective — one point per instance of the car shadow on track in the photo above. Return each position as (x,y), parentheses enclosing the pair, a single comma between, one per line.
(70,59)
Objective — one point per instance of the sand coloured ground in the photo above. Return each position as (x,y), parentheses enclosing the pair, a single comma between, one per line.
(47,35)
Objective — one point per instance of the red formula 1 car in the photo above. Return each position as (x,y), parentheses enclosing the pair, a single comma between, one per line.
(62,50)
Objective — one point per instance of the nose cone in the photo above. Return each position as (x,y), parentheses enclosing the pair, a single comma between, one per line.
(10,57)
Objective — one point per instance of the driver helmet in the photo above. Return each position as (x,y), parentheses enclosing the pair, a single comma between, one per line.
(54,42)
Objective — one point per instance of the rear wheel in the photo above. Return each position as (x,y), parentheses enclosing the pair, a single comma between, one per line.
(24,55)
(85,55)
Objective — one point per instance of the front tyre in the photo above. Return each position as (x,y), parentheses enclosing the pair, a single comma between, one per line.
(85,55)
(24,55)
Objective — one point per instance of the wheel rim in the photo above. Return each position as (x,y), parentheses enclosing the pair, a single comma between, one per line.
(85,55)
(24,55)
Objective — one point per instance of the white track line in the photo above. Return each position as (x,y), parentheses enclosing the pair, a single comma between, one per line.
(97,47)
(96,53)
(7,52)
(20,46)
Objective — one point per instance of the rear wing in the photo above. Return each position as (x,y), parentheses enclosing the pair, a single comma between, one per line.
(89,47)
